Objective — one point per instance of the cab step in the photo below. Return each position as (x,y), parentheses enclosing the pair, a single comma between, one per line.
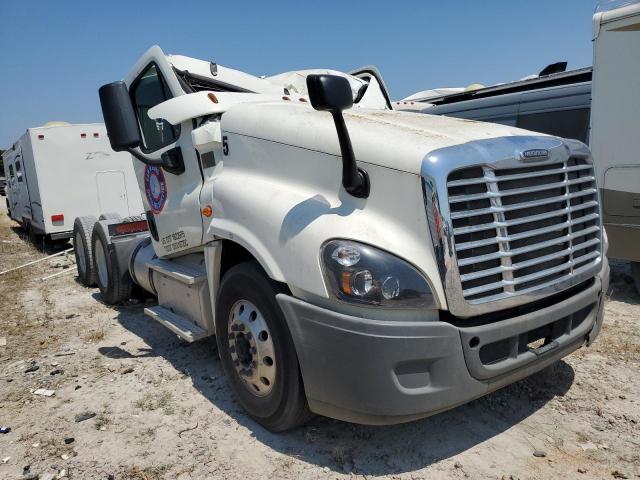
(177,324)
(182,273)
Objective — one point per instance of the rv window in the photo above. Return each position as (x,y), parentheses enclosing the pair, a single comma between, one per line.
(146,92)
(18,170)
(11,171)
(562,123)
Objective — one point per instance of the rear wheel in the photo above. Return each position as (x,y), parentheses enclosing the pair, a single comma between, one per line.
(256,349)
(115,286)
(635,274)
(82,229)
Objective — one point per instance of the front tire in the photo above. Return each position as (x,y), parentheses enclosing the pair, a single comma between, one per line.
(115,286)
(257,351)
(82,230)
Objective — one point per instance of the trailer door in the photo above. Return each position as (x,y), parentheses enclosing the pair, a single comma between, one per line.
(112,192)
(21,209)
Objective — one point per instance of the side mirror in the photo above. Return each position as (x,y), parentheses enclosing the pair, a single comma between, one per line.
(329,93)
(122,128)
(119,116)
(332,93)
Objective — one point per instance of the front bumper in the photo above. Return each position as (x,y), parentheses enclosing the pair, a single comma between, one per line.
(385,372)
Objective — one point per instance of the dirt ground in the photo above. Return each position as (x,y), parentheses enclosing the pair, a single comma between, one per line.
(160,408)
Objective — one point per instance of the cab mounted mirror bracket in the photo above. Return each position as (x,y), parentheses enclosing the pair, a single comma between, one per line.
(332,93)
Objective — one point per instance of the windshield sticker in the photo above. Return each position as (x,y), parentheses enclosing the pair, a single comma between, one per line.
(155,188)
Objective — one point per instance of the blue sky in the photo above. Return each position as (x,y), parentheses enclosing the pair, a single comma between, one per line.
(55,54)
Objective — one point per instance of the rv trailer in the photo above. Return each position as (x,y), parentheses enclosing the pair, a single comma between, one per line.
(60,171)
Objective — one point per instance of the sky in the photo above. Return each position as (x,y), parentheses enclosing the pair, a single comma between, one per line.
(56,54)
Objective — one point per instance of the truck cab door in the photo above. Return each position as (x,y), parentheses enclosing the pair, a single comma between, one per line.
(171,199)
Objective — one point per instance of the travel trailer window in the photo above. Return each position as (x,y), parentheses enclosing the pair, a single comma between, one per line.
(148,91)
(10,171)
(18,171)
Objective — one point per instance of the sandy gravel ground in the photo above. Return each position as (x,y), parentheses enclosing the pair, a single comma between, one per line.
(161,408)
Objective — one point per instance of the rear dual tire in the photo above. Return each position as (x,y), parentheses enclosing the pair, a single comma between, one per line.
(82,230)
(115,285)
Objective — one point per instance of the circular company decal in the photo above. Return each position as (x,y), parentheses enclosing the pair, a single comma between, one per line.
(155,188)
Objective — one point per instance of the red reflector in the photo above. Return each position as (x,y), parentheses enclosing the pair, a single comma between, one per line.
(40,137)
(83,135)
(57,218)
(96,135)
(131,227)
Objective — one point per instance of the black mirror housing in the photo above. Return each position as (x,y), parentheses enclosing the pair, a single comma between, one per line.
(119,116)
(332,93)
(329,93)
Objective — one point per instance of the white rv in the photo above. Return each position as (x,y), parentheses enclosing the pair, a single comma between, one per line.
(60,171)
(615,123)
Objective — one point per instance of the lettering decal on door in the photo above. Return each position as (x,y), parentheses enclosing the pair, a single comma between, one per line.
(155,188)
(174,241)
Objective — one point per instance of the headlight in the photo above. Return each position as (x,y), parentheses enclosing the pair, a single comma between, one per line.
(360,273)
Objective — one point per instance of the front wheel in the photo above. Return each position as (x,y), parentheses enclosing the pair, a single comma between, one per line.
(256,349)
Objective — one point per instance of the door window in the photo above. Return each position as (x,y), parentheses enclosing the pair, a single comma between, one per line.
(148,91)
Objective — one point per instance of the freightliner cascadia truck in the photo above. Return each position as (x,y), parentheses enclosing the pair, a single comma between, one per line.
(352,261)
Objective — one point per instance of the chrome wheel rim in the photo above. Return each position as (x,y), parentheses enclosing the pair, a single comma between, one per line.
(82,261)
(101,265)
(251,348)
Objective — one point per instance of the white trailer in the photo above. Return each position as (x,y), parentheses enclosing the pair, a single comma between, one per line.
(60,171)
(352,261)
(615,123)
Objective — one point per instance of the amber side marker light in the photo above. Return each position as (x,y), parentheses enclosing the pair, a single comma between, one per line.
(212,97)
(207,211)
(346,282)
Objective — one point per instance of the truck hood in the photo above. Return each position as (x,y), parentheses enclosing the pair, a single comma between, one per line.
(398,140)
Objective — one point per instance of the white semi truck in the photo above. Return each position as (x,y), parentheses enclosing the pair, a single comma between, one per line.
(352,261)
(60,171)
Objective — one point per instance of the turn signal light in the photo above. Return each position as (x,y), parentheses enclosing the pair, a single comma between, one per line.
(57,218)
(207,211)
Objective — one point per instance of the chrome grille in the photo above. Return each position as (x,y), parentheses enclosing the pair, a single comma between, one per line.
(524,228)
